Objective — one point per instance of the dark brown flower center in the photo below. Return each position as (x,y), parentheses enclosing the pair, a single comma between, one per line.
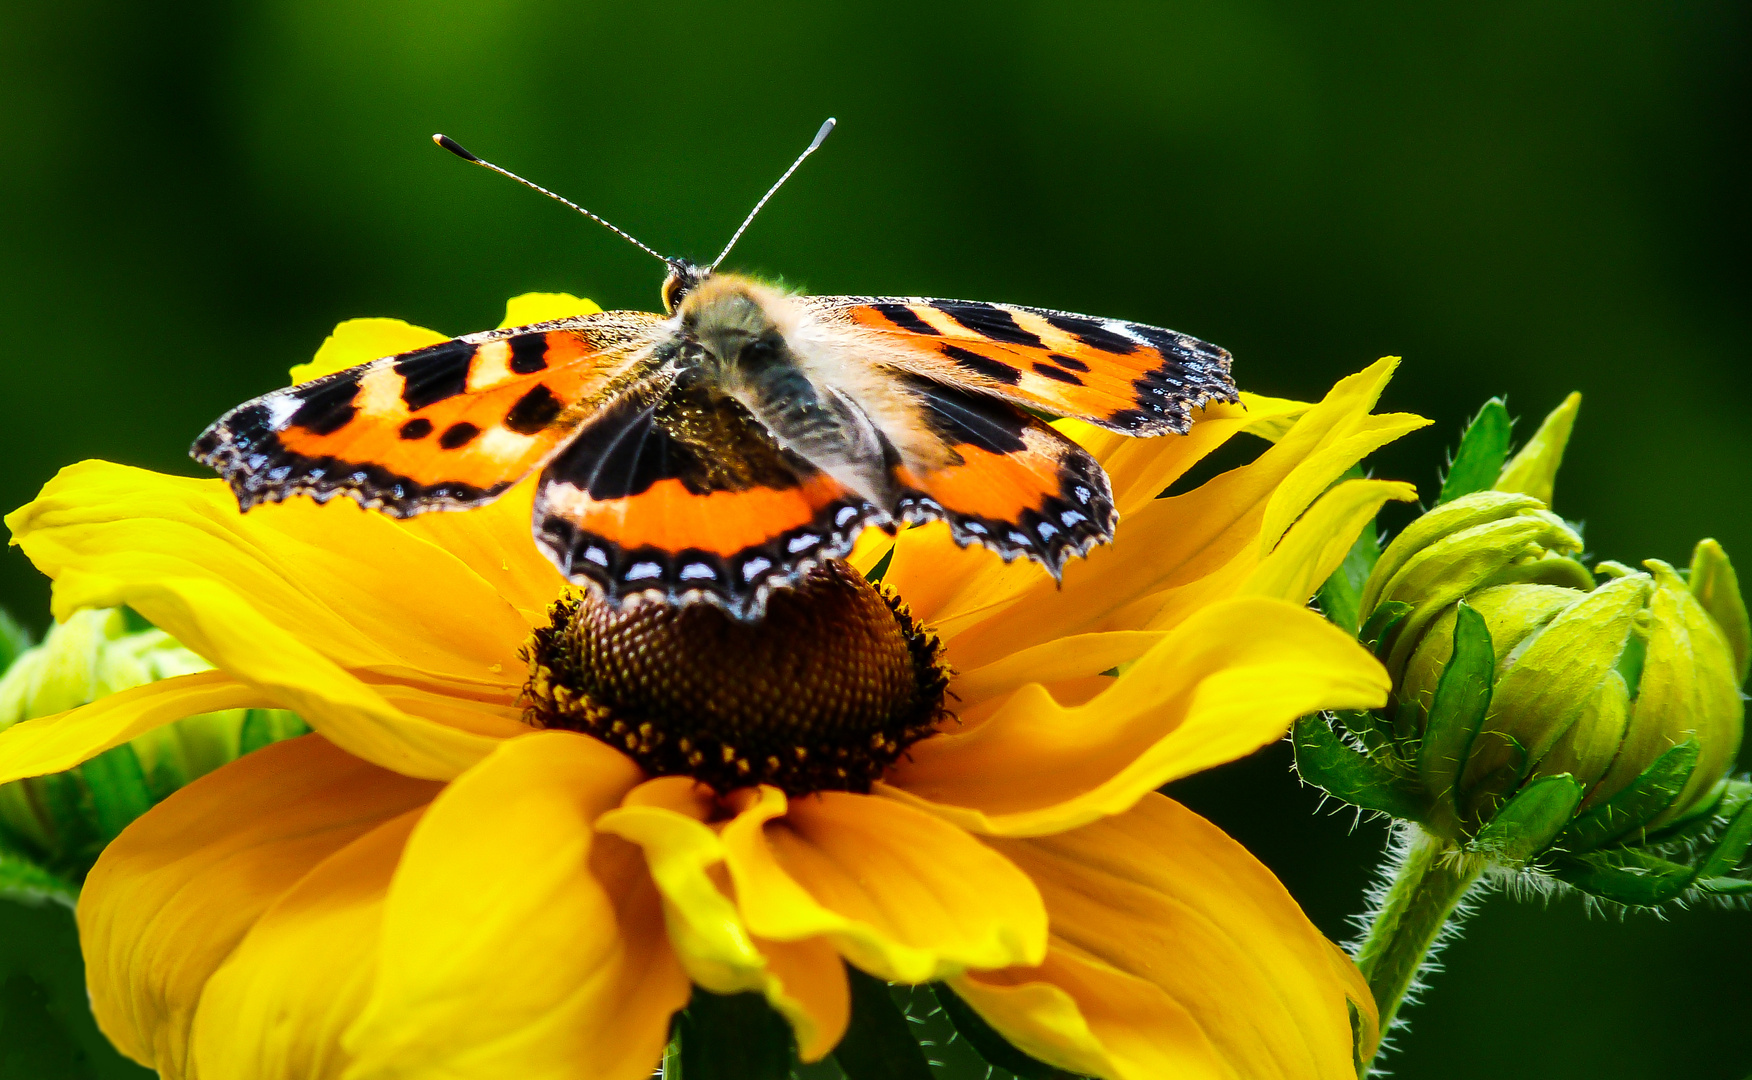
(822,694)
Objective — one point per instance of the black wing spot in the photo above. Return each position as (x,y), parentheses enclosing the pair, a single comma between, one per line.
(458,435)
(434,374)
(1069,363)
(990,321)
(417,428)
(528,354)
(1093,333)
(996,370)
(327,407)
(533,411)
(1051,372)
(906,318)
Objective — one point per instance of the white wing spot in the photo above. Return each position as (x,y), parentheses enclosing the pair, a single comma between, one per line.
(698,571)
(596,555)
(644,571)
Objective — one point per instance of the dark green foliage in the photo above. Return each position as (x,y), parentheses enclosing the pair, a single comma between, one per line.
(879,1043)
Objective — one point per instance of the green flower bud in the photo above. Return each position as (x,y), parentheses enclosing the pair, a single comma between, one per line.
(59,822)
(1542,717)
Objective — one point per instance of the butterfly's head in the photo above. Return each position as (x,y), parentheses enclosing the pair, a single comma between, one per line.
(684,277)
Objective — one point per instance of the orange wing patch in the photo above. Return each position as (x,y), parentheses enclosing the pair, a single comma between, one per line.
(1128,377)
(1017,486)
(444,427)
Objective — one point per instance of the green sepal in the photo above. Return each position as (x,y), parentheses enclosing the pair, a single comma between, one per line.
(1626,876)
(1531,820)
(1724,886)
(119,792)
(1324,760)
(1341,596)
(878,1043)
(1378,631)
(1458,709)
(993,1047)
(1369,728)
(14,639)
(24,881)
(1637,804)
(1727,852)
(264,726)
(1483,450)
(1721,803)
(732,1037)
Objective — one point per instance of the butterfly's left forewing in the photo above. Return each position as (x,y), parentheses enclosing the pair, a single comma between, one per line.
(446,427)
(1128,377)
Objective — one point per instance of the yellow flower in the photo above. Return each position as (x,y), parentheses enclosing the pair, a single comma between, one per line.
(426,886)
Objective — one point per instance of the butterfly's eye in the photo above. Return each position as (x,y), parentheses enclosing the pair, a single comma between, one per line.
(683,278)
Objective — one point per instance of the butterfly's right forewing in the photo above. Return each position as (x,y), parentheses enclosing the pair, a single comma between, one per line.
(445,427)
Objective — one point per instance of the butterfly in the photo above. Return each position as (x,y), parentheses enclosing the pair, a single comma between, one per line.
(725,448)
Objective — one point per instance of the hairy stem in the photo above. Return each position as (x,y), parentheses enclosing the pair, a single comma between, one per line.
(1420,900)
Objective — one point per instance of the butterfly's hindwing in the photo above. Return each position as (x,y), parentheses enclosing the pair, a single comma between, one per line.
(1128,377)
(445,427)
(675,493)
(1015,485)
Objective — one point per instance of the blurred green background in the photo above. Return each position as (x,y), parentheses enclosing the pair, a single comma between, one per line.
(1518,199)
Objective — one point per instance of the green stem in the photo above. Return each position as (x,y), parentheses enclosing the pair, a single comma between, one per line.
(1426,888)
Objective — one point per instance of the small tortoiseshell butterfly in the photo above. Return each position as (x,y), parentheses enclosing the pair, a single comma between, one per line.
(725,448)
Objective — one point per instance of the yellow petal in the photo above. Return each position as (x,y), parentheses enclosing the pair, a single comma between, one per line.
(172,896)
(1220,685)
(1142,469)
(900,893)
(359,341)
(539,307)
(53,743)
(294,599)
(1182,954)
(1066,658)
(807,985)
(1321,539)
(495,542)
(1171,543)
(1092,1019)
(278,1006)
(516,942)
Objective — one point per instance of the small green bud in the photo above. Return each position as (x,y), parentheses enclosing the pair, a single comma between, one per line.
(61,821)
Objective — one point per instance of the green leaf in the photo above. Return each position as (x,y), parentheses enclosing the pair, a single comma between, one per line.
(1483,449)
(1378,631)
(733,1037)
(1458,709)
(23,881)
(1531,820)
(989,1043)
(46,1027)
(119,793)
(14,639)
(1637,804)
(879,1043)
(1323,759)
(262,727)
(1626,876)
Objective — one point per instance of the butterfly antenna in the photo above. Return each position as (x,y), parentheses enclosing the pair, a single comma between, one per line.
(820,136)
(460,151)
